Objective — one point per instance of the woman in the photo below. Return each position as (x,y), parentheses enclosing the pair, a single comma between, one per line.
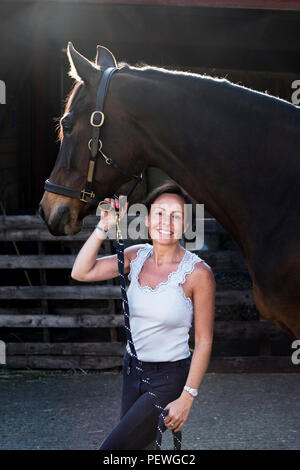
(169,285)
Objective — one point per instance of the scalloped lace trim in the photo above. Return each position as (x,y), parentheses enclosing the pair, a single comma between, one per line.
(185,267)
(162,283)
(134,262)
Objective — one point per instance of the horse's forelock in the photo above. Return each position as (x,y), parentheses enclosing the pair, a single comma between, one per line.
(69,99)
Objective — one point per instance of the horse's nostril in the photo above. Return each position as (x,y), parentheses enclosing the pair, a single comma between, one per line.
(41,212)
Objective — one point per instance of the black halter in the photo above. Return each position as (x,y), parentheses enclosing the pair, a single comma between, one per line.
(95,145)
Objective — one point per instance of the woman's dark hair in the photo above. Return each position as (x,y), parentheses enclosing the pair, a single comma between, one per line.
(168,187)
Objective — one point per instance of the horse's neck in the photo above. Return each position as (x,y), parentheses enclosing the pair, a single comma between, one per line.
(190,137)
(210,136)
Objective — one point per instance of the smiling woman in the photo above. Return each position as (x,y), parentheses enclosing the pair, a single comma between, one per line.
(169,285)
(167,216)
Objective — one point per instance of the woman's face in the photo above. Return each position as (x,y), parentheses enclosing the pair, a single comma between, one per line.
(166,219)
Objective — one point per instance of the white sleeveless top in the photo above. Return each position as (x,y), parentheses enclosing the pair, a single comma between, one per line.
(160,318)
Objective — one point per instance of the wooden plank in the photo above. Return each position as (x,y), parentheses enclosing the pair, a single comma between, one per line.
(57,311)
(232,364)
(252,364)
(64,355)
(30,227)
(247,4)
(60,292)
(249,364)
(224,261)
(229,297)
(58,321)
(228,260)
(223,330)
(234,297)
(63,362)
(37,261)
(41,235)
(62,349)
(245,330)
(25,222)
(106,355)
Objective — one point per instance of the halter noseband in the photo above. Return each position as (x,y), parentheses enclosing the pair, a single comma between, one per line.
(95,145)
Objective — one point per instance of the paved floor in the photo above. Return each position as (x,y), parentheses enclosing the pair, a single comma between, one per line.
(77,411)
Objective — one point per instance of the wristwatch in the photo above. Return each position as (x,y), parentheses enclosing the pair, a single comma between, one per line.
(192,391)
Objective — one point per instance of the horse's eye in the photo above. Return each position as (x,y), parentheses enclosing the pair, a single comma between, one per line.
(66,124)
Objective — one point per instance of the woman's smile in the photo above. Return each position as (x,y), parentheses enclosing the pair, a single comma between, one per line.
(165,232)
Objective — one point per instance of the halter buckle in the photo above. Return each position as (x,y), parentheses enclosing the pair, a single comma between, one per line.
(91,194)
(90,144)
(101,119)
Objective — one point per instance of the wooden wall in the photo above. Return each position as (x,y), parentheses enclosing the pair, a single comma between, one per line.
(50,321)
(256,48)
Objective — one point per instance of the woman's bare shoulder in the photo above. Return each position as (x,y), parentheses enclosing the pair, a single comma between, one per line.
(131,251)
(202,274)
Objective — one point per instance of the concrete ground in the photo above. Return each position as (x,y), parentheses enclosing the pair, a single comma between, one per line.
(77,411)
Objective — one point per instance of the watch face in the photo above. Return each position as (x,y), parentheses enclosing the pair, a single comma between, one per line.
(192,391)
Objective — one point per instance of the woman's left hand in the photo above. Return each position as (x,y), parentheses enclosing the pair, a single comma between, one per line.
(178,413)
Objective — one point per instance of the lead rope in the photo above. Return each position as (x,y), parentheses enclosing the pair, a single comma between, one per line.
(177,437)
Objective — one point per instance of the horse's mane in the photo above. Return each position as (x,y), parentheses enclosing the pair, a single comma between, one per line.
(158,70)
(212,80)
(168,70)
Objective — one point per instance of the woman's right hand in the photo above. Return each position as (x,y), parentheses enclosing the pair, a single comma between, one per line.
(108,217)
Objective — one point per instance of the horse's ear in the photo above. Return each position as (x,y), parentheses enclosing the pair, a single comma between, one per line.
(105,58)
(81,67)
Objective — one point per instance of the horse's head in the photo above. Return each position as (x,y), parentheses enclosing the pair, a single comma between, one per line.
(62,214)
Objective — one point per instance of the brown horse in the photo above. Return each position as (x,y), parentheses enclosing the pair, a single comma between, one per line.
(232,148)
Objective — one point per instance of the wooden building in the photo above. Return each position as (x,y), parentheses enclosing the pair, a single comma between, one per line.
(253,43)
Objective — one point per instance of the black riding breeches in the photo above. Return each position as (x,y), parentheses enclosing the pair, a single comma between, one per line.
(139,416)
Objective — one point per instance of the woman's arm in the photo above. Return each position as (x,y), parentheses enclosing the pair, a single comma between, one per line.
(86,267)
(85,263)
(204,287)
